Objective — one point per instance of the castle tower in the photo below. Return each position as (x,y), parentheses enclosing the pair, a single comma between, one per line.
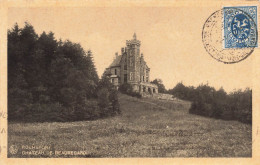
(130,67)
(133,60)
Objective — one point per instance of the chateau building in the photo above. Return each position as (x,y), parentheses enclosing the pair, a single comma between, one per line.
(130,67)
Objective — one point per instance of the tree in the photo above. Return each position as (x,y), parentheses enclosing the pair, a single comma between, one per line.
(179,91)
(45,75)
(91,66)
(161,87)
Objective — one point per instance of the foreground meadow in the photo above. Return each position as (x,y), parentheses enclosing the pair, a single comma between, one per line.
(146,128)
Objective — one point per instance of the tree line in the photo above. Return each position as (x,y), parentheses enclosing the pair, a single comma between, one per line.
(207,101)
(54,80)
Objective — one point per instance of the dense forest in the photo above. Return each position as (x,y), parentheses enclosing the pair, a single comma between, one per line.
(50,80)
(207,101)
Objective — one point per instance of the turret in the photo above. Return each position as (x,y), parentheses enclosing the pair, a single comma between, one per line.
(122,50)
(134,36)
(134,41)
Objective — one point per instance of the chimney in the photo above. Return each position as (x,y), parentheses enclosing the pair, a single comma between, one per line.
(122,51)
(116,54)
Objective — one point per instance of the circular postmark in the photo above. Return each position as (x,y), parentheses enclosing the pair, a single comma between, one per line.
(230,35)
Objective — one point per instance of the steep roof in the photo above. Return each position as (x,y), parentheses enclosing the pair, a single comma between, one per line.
(116,61)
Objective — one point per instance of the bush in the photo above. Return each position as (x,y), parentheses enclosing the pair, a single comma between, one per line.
(87,111)
(159,83)
(103,101)
(128,89)
(42,112)
(135,94)
(113,97)
(19,103)
(125,88)
(108,93)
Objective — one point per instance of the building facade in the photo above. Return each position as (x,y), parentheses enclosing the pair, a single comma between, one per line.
(130,67)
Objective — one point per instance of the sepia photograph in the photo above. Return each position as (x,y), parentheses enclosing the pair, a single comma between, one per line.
(131,81)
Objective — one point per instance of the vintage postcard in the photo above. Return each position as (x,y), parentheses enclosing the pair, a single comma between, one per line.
(129,82)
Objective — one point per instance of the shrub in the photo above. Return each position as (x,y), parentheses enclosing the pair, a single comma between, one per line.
(128,89)
(43,112)
(125,88)
(19,103)
(159,83)
(103,101)
(113,97)
(87,111)
(135,94)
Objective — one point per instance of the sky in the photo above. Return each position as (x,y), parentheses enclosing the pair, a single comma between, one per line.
(170,38)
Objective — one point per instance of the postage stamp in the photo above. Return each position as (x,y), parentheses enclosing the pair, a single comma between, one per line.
(240,27)
(230,35)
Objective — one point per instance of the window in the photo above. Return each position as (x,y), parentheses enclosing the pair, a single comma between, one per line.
(131,76)
(131,62)
(143,78)
(125,78)
(115,72)
(125,67)
(132,52)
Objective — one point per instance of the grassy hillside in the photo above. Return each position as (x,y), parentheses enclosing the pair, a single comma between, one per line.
(146,128)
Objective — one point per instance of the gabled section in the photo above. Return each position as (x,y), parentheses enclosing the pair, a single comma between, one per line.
(116,61)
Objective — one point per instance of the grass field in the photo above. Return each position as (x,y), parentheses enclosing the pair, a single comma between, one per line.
(146,128)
